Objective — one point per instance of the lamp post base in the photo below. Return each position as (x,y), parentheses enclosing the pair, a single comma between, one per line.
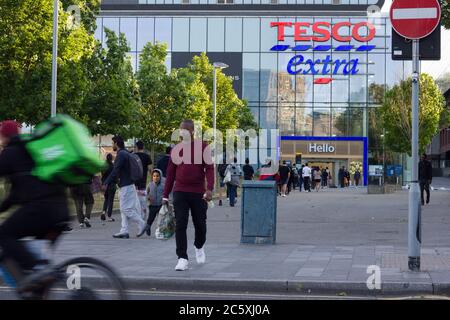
(414,263)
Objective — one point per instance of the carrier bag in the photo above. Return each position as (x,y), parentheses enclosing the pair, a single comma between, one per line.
(63,151)
(166,223)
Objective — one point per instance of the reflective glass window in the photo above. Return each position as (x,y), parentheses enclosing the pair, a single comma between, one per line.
(251,34)
(111,24)
(128,27)
(304,88)
(216,34)
(303,121)
(233,34)
(268,118)
(251,76)
(146,32)
(268,77)
(180,34)
(286,123)
(268,34)
(286,81)
(339,121)
(198,35)
(358,88)
(321,118)
(163,31)
(356,122)
(99,30)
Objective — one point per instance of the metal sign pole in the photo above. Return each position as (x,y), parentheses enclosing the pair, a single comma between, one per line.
(54,57)
(414,227)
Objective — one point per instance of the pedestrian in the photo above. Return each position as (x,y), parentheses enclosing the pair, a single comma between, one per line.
(300,178)
(189,193)
(285,174)
(221,168)
(317,179)
(295,177)
(110,190)
(266,172)
(82,196)
(164,161)
(235,171)
(341,176)
(141,184)
(290,185)
(357,177)
(248,170)
(324,178)
(155,190)
(130,208)
(425,177)
(347,178)
(306,173)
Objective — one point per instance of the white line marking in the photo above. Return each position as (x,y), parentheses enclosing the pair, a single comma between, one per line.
(416,13)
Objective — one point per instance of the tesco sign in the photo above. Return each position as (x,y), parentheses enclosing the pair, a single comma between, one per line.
(322,31)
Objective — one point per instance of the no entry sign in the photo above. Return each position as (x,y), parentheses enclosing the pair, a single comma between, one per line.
(415,19)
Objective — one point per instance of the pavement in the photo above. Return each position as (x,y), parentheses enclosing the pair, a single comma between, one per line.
(325,243)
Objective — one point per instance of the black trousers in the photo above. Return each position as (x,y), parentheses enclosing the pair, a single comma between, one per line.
(184,202)
(152,213)
(108,204)
(424,186)
(306,183)
(31,220)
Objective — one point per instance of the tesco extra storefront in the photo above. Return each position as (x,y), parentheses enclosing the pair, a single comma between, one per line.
(306,67)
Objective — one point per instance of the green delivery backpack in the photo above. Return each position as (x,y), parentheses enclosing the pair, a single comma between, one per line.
(63,151)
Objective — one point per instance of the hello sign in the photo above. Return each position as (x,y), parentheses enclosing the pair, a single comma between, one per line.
(322,32)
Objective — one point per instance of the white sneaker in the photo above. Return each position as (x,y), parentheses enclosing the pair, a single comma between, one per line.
(284,196)
(200,255)
(81,225)
(182,265)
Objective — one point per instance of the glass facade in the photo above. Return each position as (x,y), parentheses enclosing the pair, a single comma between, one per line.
(299,105)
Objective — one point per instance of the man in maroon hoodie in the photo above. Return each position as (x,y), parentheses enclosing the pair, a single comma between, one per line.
(191,169)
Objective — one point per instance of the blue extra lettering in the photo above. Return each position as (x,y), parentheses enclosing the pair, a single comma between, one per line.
(295,61)
(326,62)
(354,65)
(312,68)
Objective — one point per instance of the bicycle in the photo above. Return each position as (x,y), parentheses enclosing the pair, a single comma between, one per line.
(74,279)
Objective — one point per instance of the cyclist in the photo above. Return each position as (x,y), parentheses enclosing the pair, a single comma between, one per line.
(42,206)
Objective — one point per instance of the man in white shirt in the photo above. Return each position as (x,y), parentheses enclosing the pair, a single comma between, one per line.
(306,173)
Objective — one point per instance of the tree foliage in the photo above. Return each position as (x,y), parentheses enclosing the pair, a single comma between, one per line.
(445,5)
(396,114)
(26,60)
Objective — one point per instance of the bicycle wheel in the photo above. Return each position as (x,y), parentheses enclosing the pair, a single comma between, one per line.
(85,278)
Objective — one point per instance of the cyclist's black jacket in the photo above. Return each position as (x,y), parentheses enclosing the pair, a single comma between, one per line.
(16,164)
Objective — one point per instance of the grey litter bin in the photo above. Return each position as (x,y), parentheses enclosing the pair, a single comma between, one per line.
(259,212)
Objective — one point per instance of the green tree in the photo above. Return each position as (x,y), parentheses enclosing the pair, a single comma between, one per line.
(396,114)
(26,57)
(111,103)
(445,5)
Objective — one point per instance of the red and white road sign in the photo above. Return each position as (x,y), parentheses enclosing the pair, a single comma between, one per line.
(415,19)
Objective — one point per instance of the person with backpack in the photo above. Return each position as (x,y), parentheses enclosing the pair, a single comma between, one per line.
(110,190)
(43,207)
(141,184)
(155,190)
(234,170)
(127,170)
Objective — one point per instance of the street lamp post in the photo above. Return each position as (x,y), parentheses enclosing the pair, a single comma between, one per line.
(216,65)
(54,57)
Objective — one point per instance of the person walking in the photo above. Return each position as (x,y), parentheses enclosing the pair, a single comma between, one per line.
(164,161)
(221,171)
(341,177)
(324,178)
(300,178)
(189,192)
(155,190)
(110,190)
(248,170)
(357,177)
(130,208)
(306,174)
(82,195)
(317,179)
(235,171)
(425,177)
(347,178)
(285,174)
(141,184)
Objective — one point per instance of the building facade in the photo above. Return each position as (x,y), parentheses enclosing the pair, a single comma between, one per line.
(310,68)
